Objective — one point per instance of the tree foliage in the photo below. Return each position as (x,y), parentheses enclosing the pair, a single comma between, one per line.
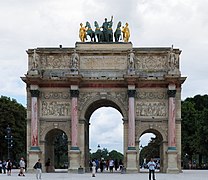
(14,115)
(104,153)
(195,127)
(152,150)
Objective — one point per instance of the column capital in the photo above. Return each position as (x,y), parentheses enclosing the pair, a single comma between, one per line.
(171,93)
(35,93)
(131,93)
(74,93)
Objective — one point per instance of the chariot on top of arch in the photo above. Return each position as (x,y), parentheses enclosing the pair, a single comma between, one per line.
(104,33)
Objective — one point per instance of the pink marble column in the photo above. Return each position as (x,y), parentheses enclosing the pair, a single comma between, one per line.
(131,123)
(171,120)
(74,119)
(34,118)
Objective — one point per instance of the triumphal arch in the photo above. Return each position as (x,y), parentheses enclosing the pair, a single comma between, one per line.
(65,85)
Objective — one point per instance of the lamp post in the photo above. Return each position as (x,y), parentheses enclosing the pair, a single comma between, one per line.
(99,150)
(9,139)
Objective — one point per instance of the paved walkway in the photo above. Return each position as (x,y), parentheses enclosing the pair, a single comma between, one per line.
(186,175)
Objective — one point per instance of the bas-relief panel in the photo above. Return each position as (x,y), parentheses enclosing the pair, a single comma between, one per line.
(54,61)
(103,62)
(55,104)
(152,62)
(151,104)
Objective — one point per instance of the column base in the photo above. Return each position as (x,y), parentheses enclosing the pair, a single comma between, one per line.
(74,164)
(131,163)
(33,155)
(172,155)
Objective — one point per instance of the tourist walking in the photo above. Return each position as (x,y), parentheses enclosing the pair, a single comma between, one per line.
(22,167)
(38,168)
(151,165)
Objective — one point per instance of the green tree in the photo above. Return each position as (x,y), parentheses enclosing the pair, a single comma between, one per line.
(152,150)
(14,115)
(195,128)
(104,153)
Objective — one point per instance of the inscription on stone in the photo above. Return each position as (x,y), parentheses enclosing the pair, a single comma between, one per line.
(103,62)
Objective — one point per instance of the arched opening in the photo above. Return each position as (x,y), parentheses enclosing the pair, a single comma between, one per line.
(150,146)
(56,150)
(104,135)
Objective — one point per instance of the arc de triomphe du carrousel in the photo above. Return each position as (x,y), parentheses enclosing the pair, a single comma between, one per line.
(65,85)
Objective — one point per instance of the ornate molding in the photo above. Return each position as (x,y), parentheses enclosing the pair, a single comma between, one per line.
(151,95)
(59,61)
(152,62)
(55,95)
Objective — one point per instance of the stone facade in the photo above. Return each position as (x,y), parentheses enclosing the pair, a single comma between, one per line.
(66,85)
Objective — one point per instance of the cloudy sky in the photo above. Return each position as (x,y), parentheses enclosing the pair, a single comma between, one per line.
(154,23)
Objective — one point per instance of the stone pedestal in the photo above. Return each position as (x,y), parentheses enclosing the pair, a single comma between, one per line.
(74,161)
(131,156)
(172,161)
(34,155)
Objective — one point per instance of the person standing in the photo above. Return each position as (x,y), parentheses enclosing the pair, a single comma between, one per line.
(9,167)
(1,166)
(38,168)
(111,165)
(93,168)
(4,166)
(22,167)
(151,165)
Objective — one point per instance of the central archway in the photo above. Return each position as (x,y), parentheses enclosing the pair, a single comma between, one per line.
(92,107)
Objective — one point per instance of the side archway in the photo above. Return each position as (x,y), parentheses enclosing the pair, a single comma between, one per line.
(159,145)
(56,150)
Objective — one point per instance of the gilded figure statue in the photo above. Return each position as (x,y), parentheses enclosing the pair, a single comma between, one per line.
(126,32)
(82,33)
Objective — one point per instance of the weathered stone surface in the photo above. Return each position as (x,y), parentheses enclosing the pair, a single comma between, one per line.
(103,74)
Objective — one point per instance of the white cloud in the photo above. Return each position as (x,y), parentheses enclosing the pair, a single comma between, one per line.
(106,129)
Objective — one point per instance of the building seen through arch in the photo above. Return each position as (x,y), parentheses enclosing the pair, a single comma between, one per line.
(66,85)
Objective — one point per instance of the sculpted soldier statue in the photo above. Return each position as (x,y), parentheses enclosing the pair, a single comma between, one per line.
(172,59)
(74,61)
(131,63)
